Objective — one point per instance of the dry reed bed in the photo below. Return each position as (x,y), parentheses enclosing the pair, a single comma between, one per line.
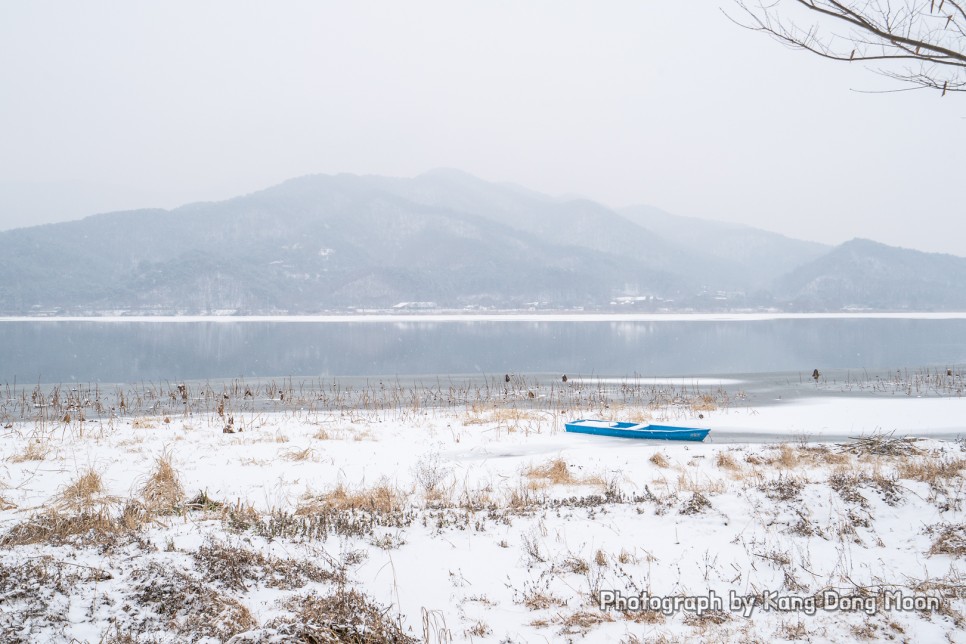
(148,405)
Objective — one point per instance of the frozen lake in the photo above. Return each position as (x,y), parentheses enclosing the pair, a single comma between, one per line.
(114,350)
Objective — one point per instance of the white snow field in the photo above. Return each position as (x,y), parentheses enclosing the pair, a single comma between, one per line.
(482,521)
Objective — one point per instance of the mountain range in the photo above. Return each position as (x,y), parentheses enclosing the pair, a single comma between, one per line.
(445,240)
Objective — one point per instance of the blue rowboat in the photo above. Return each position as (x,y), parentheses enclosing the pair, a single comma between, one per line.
(637,430)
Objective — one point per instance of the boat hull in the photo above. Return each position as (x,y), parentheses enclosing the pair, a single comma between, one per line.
(637,430)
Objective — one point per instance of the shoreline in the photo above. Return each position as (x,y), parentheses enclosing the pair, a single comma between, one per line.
(382,317)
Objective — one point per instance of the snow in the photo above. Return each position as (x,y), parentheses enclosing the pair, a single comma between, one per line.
(495,548)
(820,416)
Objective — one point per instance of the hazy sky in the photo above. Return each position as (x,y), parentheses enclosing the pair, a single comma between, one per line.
(108,105)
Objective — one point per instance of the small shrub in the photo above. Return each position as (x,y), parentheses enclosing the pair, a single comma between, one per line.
(784,488)
(344,616)
(169,599)
(696,504)
(847,485)
(235,567)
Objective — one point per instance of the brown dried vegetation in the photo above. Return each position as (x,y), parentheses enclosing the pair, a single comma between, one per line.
(163,597)
(344,616)
(660,460)
(162,493)
(81,512)
(379,499)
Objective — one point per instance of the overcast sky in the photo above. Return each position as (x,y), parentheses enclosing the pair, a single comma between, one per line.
(133,104)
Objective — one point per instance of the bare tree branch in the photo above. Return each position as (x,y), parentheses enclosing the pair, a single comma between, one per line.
(921,43)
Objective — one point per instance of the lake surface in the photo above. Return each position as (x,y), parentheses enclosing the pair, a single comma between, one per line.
(119,350)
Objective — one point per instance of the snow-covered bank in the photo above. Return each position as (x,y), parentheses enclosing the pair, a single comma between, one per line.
(484,523)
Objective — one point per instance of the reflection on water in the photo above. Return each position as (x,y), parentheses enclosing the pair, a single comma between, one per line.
(95,351)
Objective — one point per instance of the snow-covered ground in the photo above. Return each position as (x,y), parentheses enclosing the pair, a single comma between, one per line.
(486,522)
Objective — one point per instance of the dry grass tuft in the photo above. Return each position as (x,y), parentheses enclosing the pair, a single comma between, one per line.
(793,631)
(933,470)
(35,450)
(644,617)
(144,423)
(477,500)
(582,621)
(787,457)
(556,472)
(81,494)
(704,402)
(627,558)
(660,460)
(703,621)
(726,461)
(163,493)
(82,511)
(523,498)
(600,559)
(380,499)
(638,416)
(791,457)
(830,458)
(364,435)
(479,629)
(507,418)
(345,431)
(535,599)
(297,455)
(204,503)
(576,565)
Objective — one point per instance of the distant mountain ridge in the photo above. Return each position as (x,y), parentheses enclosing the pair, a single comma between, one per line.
(757,255)
(444,239)
(863,274)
